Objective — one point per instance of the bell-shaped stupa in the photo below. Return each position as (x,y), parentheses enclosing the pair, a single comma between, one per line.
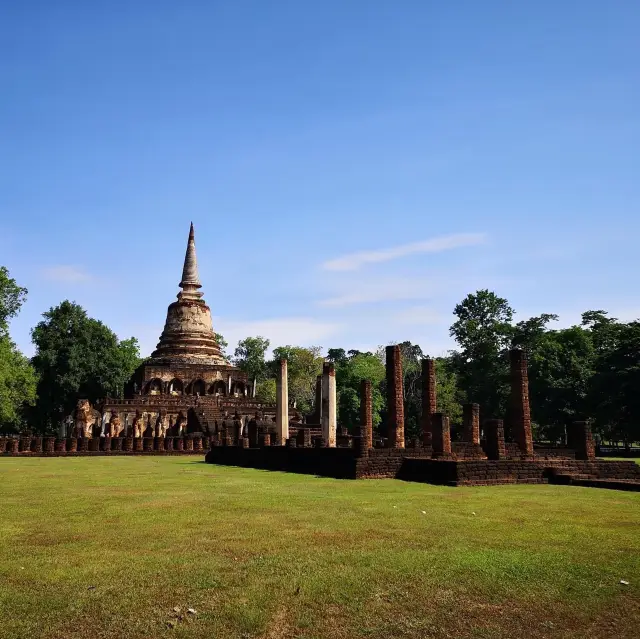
(188,332)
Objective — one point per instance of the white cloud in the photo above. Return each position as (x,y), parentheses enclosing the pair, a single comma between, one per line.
(391,289)
(422,315)
(354,261)
(66,273)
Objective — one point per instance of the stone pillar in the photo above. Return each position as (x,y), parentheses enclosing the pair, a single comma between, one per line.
(282,404)
(3,445)
(197,443)
(137,444)
(471,423)
(255,387)
(49,444)
(583,440)
(178,443)
(494,434)
(116,443)
(303,438)
(428,398)
(72,445)
(60,445)
(127,444)
(168,444)
(395,397)
(440,436)
(89,444)
(105,444)
(25,445)
(366,418)
(13,446)
(318,410)
(329,404)
(520,414)
(36,445)
(158,443)
(265,439)
(188,443)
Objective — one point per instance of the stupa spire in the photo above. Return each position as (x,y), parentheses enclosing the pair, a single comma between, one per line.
(190,282)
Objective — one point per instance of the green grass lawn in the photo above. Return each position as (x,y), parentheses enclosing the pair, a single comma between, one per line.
(108,547)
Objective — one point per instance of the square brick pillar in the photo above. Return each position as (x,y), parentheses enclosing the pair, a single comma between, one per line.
(428,398)
(329,404)
(520,413)
(471,423)
(583,441)
(494,433)
(365,441)
(395,397)
(282,404)
(441,436)
(303,438)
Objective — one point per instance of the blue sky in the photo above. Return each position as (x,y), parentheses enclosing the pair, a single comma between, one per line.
(353,169)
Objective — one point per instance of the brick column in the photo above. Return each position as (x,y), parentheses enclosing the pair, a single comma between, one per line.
(329,404)
(36,445)
(83,443)
(428,398)
(72,445)
(197,443)
(282,404)
(520,414)
(494,433)
(471,423)
(366,418)
(188,443)
(60,445)
(395,397)
(137,444)
(127,444)
(303,438)
(265,439)
(440,436)
(13,446)
(49,444)
(25,445)
(253,433)
(168,443)
(158,443)
(583,441)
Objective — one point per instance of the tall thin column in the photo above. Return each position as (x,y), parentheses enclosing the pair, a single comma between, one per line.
(428,398)
(318,409)
(395,397)
(583,440)
(329,404)
(366,417)
(520,413)
(282,404)
(471,423)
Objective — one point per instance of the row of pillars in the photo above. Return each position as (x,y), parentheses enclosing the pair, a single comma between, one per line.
(434,425)
(326,401)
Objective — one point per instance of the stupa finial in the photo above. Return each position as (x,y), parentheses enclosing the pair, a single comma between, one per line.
(190,280)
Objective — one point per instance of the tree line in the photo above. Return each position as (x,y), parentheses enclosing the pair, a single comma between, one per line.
(588,371)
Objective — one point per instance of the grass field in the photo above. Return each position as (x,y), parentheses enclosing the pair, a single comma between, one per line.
(108,547)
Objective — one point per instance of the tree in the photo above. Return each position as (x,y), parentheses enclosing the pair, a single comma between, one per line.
(17,377)
(17,385)
(303,365)
(350,371)
(77,357)
(266,391)
(12,297)
(249,357)
(484,332)
(449,397)
(222,344)
(615,400)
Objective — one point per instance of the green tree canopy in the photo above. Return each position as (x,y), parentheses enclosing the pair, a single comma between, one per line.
(12,297)
(249,356)
(77,357)
(304,365)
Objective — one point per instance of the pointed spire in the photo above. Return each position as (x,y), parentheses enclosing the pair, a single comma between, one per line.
(190,280)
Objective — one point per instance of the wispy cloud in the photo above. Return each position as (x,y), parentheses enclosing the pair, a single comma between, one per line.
(66,273)
(391,289)
(354,261)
